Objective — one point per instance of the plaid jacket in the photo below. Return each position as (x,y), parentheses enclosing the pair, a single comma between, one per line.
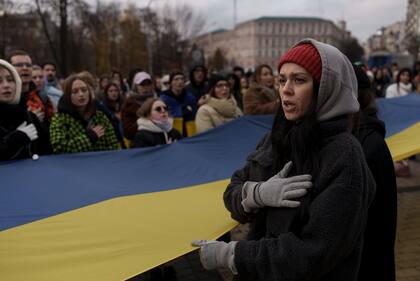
(68,135)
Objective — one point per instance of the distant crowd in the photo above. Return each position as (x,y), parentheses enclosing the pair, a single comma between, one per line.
(41,114)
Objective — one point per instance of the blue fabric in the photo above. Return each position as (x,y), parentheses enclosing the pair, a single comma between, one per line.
(399,113)
(176,109)
(55,184)
(32,190)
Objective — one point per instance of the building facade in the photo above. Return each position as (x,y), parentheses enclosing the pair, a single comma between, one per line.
(412,28)
(265,39)
(390,38)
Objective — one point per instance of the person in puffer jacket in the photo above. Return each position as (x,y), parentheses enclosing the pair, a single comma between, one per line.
(307,188)
(154,125)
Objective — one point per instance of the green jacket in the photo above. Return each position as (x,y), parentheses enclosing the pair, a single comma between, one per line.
(69,135)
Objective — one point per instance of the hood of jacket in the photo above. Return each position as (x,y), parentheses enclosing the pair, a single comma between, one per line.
(191,76)
(17,79)
(337,93)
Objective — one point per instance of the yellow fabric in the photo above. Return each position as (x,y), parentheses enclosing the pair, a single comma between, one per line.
(128,143)
(406,143)
(122,237)
(114,239)
(178,125)
(190,127)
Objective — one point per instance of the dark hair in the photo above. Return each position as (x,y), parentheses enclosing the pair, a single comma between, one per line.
(415,71)
(49,63)
(213,80)
(364,88)
(175,73)
(297,142)
(240,69)
(258,71)
(102,78)
(112,84)
(66,106)
(17,53)
(399,77)
(121,80)
(146,107)
(236,80)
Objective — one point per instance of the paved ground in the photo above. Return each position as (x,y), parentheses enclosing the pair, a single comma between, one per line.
(408,230)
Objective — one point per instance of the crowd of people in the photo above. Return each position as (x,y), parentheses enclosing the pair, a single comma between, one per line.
(87,113)
(315,182)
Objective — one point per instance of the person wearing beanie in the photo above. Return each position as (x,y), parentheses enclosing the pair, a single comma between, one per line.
(182,105)
(142,90)
(21,133)
(306,190)
(221,106)
(261,98)
(378,258)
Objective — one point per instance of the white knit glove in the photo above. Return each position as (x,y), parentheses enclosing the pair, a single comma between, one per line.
(276,191)
(29,130)
(217,255)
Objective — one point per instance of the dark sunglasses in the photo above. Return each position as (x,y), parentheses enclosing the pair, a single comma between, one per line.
(22,64)
(161,109)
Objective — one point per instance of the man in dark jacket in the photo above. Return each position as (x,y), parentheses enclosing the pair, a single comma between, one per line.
(378,260)
(198,85)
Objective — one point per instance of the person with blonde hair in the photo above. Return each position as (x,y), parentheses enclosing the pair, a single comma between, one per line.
(21,133)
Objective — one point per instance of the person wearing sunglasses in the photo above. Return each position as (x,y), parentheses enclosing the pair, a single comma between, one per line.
(220,108)
(154,125)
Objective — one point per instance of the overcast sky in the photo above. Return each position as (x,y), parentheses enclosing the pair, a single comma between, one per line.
(363,17)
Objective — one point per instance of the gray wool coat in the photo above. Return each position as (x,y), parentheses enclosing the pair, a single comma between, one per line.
(320,240)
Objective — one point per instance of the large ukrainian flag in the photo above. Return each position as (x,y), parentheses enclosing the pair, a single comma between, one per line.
(402,120)
(112,215)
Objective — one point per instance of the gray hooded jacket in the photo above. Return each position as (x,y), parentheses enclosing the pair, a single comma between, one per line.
(324,243)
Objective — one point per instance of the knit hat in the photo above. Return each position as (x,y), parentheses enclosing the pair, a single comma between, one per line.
(16,77)
(214,79)
(175,73)
(305,55)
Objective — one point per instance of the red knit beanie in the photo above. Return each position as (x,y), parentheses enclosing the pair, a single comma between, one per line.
(305,55)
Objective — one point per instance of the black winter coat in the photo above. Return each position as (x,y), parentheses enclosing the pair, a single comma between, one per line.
(320,240)
(16,144)
(145,138)
(378,261)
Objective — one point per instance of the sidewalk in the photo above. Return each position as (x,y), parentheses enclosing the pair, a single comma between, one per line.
(408,230)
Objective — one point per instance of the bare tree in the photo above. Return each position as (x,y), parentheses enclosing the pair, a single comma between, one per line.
(60,11)
(5,5)
(186,21)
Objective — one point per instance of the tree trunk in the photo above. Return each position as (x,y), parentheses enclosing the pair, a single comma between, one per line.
(63,36)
